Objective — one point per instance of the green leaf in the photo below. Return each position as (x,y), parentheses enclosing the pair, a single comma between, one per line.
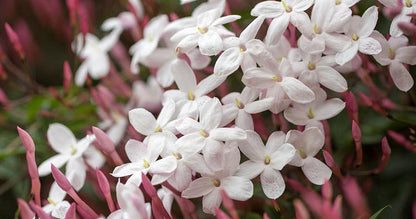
(375,215)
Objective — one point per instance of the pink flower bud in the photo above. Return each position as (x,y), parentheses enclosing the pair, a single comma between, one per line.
(385,148)
(26,140)
(14,39)
(39,211)
(148,187)
(300,210)
(106,96)
(61,179)
(228,204)
(402,140)
(355,198)
(220,214)
(351,105)
(356,135)
(106,144)
(329,160)
(392,11)
(25,211)
(71,213)
(105,189)
(327,190)
(407,28)
(186,205)
(67,77)
(72,8)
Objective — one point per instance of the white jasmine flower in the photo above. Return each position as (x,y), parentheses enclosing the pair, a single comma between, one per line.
(211,182)
(266,161)
(207,34)
(395,52)
(317,110)
(409,7)
(308,143)
(359,30)
(57,206)
(283,12)
(240,106)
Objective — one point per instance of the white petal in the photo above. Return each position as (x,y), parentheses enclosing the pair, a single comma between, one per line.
(296,115)
(369,46)
(269,9)
(275,141)
(58,161)
(228,134)
(198,188)
(211,200)
(258,78)
(187,126)
(164,75)
(331,79)
(259,106)
(296,90)
(250,169)
(401,76)
(253,147)
(127,169)
(345,56)
(225,20)
(406,55)
(310,141)
(276,29)
(163,166)
(166,113)
(143,121)
(228,62)
(76,173)
(136,150)
(244,120)
(238,188)
(328,109)
(194,141)
(99,65)
(210,114)
(282,156)
(368,22)
(182,177)
(316,171)
(208,84)
(198,61)
(251,30)
(184,76)
(59,211)
(81,74)
(188,43)
(272,183)
(210,43)
(61,138)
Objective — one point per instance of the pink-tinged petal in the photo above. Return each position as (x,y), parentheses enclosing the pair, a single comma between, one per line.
(268,9)
(368,22)
(406,55)
(181,178)
(214,155)
(143,121)
(164,75)
(296,115)
(250,169)
(56,193)
(228,62)
(58,160)
(238,188)
(297,91)
(275,141)
(258,78)
(297,160)
(253,147)
(198,188)
(369,46)
(197,163)
(192,142)
(302,22)
(248,95)
(402,17)
(160,178)
(163,166)
(316,171)
(228,134)
(244,120)
(314,46)
(210,43)
(207,18)
(211,201)
(166,113)
(282,156)
(136,150)
(210,114)
(347,55)
(184,76)
(61,138)
(251,30)
(401,76)
(76,173)
(331,79)
(272,183)
(225,20)
(188,126)
(127,169)
(276,29)
(60,209)
(230,98)
(208,84)
(198,61)
(230,112)
(259,106)
(188,43)
(310,141)
(328,109)
(156,143)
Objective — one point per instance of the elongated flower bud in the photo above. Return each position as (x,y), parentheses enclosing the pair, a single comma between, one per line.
(25,211)
(26,140)
(105,189)
(39,211)
(14,39)
(402,140)
(220,214)
(385,148)
(67,77)
(356,135)
(329,160)
(60,179)
(71,213)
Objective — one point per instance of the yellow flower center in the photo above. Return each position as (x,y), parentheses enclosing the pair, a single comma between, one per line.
(408,3)
(277,78)
(391,53)
(337,2)
(158,129)
(302,154)
(178,156)
(51,201)
(191,95)
(201,30)
(286,8)
(239,104)
(203,133)
(311,66)
(216,182)
(354,37)
(316,29)
(73,150)
(310,113)
(267,160)
(146,164)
